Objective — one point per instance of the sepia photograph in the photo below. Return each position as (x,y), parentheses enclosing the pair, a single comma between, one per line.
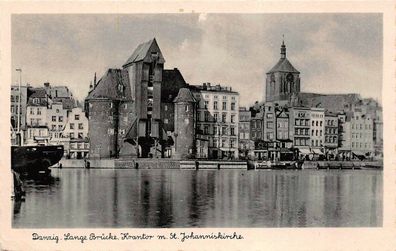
(197,120)
(192,121)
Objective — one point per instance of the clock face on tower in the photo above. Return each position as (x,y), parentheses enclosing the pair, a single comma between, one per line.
(289,77)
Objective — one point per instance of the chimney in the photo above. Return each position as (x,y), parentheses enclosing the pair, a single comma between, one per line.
(95,79)
(46,85)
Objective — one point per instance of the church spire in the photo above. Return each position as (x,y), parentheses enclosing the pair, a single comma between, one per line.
(283,48)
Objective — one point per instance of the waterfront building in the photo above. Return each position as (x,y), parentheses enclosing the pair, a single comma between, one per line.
(217,118)
(110,114)
(362,140)
(36,134)
(299,128)
(244,142)
(15,104)
(36,111)
(256,125)
(331,134)
(269,121)
(131,110)
(56,121)
(282,125)
(317,129)
(76,130)
(282,81)
(36,117)
(185,125)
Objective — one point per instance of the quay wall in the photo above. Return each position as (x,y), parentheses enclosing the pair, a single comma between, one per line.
(201,164)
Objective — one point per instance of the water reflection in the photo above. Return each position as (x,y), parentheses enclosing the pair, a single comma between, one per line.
(226,198)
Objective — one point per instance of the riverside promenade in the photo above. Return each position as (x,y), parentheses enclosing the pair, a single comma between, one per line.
(206,164)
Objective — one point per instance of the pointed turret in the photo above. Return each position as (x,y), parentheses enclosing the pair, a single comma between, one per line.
(283,50)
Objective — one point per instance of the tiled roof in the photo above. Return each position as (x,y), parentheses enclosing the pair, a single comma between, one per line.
(142,50)
(283,65)
(113,85)
(39,93)
(331,102)
(184,95)
(172,81)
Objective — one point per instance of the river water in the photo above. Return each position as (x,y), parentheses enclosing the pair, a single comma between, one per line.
(78,198)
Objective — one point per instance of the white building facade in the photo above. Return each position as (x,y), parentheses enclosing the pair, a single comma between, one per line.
(218,117)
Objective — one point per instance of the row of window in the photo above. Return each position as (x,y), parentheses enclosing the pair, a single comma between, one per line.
(38,111)
(223,143)
(80,126)
(216,97)
(216,117)
(301,142)
(317,123)
(315,115)
(361,136)
(215,130)
(316,133)
(244,126)
(244,135)
(331,139)
(216,105)
(301,131)
(361,145)
(14,98)
(331,131)
(301,122)
(331,122)
(360,126)
(60,118)
(316,143)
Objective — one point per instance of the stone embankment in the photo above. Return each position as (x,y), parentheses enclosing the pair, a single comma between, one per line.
(207,164)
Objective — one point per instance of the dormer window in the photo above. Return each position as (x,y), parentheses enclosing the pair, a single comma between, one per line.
(36,101)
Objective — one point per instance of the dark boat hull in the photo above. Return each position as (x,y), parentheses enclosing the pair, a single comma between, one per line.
(35,159)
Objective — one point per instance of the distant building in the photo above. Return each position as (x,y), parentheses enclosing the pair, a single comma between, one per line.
(56,120)
(185,124)
(36,111)
(317,130)
(269,122)
(217,118)
(331,133)
(15,94)
(244,142)
(362,140)
(76,129)
(300,128)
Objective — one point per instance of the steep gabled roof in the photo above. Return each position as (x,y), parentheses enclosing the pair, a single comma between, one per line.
(142,52)
(172,81)
(283,65)
(184,95)
(113,85)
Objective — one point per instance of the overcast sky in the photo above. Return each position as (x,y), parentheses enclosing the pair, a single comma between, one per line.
(335,53)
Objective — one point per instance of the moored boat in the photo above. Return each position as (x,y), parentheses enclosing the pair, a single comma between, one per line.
(35,159)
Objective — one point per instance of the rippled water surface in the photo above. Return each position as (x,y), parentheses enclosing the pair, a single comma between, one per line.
(77,198)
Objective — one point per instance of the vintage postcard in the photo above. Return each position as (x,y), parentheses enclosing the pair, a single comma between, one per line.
(189,126)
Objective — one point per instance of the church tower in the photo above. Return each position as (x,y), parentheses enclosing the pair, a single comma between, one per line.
(283,80)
